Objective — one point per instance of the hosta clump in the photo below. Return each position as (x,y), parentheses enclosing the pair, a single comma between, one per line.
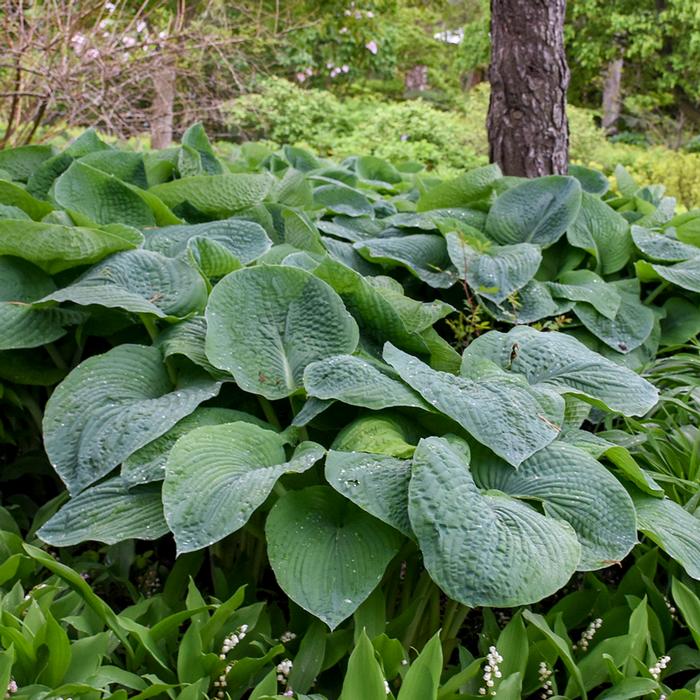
(265,338)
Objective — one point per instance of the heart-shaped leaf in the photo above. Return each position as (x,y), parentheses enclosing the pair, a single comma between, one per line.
(139,281)
(109,512)
(483,548)
(631,325)
(242,240)
(592,181)
(359,382)
(493,272)
(423,254)
(54,248)
(585,285)
(470,187)
(603,233)
(528,304)
(571,486)
(685,275)
(148,463)
(500,410)
(22,161)
(340,199)
(377,172)
(340,557)
(377,483)
(380,318)
(681,322)
(24,326)
(94,197)
(109,406)
(266,324)
(537,211)
(217,476)
(672,527)
(566,365)
(217,196)
(662,246)
(12,195)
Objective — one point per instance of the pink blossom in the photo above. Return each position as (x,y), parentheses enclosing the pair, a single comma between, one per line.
(370,14)
(372,47)
(345,68)
(301,77)
(91,54)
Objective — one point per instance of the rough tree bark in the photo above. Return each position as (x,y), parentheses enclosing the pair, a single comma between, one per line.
(163,105)
(612,95)
(527,126)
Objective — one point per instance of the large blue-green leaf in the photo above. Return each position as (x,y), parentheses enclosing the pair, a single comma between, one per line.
(629,328)
(148,463)
(603,233)
(685,275)
(12,195)
(499,409)
(672,527)
(359,382)
(339,558)
(537,211)
(377,172)
(592,181)
(530,303)
(217,196)
(492,271)
(423,254)
(467,188)
(217,476)
(22,161)
(227,243)
(93,197)
(109,406)
(266,324)
(571,486)
(340,199)
(55,248)
(380,318)
(566,365)
(681,321)
(124,165)
(662,246)
(417,316)
(139,281)
(484,548)
(108,512)
(197,156)
(24,326)
(587,286)
(378,483)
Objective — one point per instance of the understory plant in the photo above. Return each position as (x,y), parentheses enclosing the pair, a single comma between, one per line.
(255,358)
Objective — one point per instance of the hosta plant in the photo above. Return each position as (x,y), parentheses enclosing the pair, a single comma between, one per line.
(259,346)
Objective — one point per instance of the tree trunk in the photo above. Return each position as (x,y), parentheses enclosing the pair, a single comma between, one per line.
(527,126)
(163,103)
(612,95)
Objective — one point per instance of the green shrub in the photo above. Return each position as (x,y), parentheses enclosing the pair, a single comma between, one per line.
(447,141)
